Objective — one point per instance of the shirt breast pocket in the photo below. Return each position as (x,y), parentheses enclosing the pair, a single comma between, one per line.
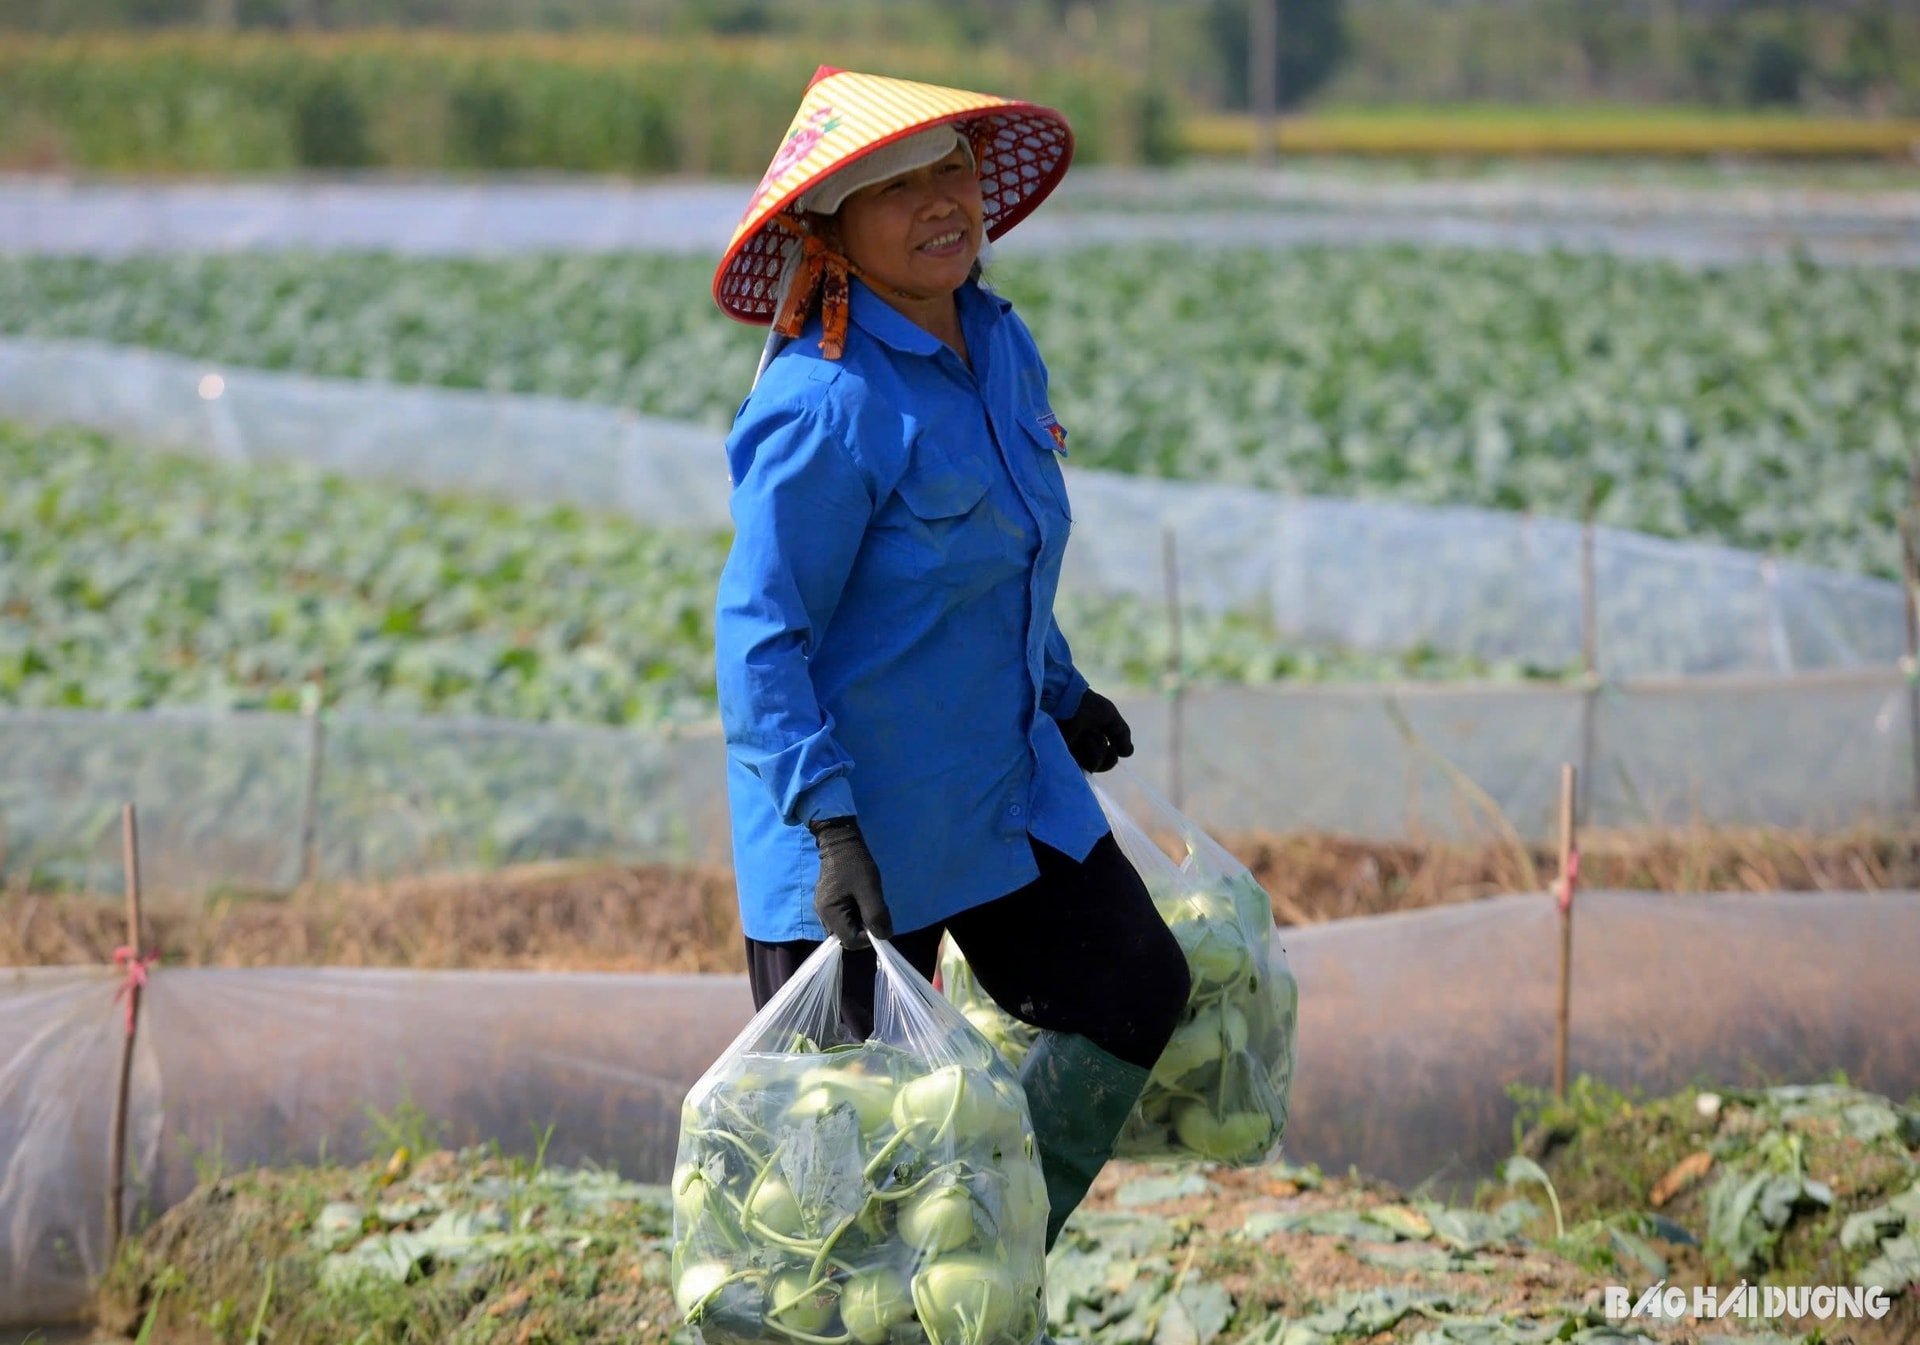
(938,524)
(1046,466)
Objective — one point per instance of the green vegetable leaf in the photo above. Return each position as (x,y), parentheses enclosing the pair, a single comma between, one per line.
(1896,1268)
(1327,1223)
(1154,1190)
(1194,1316)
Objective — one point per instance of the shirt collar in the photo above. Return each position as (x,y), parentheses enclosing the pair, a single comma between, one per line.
(888,325)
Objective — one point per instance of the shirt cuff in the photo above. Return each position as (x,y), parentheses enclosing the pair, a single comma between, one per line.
(1069,699)
(832,797)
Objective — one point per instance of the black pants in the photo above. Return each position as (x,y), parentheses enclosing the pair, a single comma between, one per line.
(1079,949)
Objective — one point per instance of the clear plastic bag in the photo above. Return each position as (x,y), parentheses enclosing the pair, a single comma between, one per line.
(1222,1088)
(849,1192)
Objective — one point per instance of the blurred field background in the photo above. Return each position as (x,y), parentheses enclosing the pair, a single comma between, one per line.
(1765,406)
(1695,374)
(1524,382)
(676,86)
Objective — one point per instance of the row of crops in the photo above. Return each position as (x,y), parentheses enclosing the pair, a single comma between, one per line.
(1769,407)
(131,579)
(264,102)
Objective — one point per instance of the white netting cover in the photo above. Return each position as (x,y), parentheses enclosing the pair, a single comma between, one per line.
(229,800)
(224,798)
(46,215)
(1364,576)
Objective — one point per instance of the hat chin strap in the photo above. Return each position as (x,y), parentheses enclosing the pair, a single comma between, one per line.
(775,344)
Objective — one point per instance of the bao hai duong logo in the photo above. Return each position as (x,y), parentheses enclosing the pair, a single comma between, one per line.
(1753,1302)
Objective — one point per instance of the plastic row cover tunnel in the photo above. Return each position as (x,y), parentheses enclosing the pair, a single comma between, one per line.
(223,797)
(1410,1028)
(1348,574)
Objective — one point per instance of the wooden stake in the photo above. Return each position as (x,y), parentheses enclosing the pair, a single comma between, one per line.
(1176,670)
(1263,80)
(1589,594)
(1569,876)
(311,697)
(1910,567)
(1589,652)
(130,864)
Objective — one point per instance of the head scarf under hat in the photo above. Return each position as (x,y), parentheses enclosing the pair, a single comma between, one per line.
(815,270)
(1020,151)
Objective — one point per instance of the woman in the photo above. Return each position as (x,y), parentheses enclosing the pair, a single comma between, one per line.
(905,727)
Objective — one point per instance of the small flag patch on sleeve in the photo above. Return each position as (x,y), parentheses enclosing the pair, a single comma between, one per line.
(1058,432)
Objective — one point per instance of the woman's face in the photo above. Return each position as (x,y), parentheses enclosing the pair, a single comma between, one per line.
(918,232)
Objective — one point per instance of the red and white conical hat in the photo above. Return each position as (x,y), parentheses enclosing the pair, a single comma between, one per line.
(1020,149)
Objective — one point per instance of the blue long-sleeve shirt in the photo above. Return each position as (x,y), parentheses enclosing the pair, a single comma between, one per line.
(885,642)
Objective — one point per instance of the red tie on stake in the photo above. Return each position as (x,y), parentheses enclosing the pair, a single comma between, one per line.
(127,959)
(1569,878)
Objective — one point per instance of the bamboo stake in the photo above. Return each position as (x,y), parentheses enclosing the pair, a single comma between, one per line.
(1589,653)
(1910,567)
(130,864)
(311,697)
(1564,887)
(1263,81)
(1589,593)
(1176,668)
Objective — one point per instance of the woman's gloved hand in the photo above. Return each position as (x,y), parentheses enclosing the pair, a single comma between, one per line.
(847,898)
(1096,734)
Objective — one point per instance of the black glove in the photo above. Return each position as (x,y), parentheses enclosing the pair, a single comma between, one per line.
(847,897)
(1096,734)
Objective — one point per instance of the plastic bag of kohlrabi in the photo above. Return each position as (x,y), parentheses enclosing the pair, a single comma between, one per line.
(833,1190)
(1221,1089)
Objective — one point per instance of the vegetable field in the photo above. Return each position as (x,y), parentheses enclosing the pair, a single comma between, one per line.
(131,579)
(134,579)
(1769,407)
(473,1246)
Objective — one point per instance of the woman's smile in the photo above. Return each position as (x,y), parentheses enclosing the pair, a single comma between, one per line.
(948,244)
(916,235)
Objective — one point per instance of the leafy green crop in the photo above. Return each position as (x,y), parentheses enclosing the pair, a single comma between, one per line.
(131,579)
(589,102)
(1766,406)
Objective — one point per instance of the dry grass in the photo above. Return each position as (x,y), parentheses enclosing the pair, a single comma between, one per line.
(539,917)
(1314,877)
(1559,132)
(649,918)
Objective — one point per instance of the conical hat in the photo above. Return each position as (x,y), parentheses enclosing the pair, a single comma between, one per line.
(1021,149)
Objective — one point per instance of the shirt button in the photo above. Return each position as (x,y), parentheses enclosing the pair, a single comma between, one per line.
(1013,810)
